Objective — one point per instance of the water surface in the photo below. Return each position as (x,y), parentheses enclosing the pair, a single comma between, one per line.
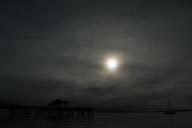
(102,120)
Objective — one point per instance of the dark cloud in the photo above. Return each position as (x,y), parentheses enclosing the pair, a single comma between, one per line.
(34,90)
(55,50)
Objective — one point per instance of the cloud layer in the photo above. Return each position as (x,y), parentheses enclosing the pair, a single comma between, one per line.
(55,50)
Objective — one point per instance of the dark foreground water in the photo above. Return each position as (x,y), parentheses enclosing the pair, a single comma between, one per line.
(108,120)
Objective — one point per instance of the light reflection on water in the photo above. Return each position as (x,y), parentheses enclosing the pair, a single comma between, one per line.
(181,120)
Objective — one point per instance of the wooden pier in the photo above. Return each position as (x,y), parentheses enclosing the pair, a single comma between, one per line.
(55,109)
(55,112)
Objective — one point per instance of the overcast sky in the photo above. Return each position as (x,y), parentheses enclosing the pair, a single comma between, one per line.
(55,49)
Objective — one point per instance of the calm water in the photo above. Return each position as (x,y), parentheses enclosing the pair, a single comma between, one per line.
(181,120)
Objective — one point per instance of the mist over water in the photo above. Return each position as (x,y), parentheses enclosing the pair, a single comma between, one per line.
(103,120)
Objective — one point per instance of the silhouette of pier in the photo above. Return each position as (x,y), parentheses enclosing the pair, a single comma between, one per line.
(55,109)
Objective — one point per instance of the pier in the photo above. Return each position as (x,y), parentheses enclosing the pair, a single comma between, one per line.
(55,109)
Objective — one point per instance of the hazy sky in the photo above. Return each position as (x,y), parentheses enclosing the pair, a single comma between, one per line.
(55,49)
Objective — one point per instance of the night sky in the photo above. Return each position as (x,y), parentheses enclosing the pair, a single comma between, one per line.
(55,49)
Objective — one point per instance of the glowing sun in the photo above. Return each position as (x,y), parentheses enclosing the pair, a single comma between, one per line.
(111,64)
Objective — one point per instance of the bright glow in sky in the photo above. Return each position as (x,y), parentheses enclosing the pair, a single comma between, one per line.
(112,64)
